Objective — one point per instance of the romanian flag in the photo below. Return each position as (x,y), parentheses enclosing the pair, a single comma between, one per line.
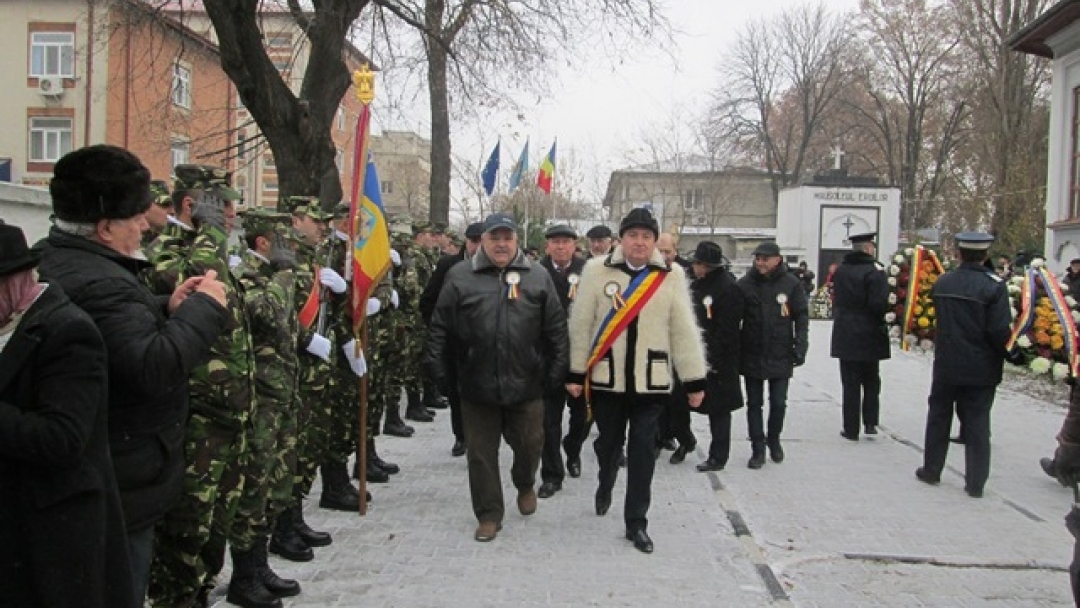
(368,233)
(546,176)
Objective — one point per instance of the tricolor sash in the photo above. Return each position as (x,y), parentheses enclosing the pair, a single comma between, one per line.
(310,310)
(1056,296)
(624,309)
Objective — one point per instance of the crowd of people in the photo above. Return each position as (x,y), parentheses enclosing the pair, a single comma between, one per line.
(167,399)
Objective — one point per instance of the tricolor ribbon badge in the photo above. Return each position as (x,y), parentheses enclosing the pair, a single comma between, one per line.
(707,302)
(611,289)
(512,280)
(573,280)
(782,300)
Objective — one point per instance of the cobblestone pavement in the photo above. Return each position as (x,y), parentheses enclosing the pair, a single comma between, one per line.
(838,523)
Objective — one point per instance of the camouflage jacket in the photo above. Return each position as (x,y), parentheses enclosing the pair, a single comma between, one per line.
(270,306)
(314,372)
(220,389)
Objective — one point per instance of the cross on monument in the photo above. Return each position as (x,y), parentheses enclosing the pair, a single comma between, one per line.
(847,224)
(838,155)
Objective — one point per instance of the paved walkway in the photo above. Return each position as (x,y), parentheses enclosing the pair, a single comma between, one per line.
(837,524)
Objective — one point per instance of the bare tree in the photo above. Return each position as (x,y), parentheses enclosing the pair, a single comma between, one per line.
(778,87)
(485,48)
(1009,103)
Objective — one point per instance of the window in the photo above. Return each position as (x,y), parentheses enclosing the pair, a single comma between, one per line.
(52,54)
(269,185)
(387,187)
(279,41)
(181,152)
(1074,158)
(693,200)
(181,85)
(268,160)
(50,138)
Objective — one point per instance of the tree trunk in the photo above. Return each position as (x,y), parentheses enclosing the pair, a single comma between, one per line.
(440,133)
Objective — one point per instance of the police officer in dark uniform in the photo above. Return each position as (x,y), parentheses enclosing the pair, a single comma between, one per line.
(860,338)
(973,325)
(565,270)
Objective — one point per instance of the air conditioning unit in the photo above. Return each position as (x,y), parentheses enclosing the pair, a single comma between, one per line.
(701,220)
(51,87)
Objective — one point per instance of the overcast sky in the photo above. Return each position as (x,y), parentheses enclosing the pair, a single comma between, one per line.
(597,113)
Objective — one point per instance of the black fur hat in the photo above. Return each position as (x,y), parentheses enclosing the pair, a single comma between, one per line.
(639,217)
(99,182)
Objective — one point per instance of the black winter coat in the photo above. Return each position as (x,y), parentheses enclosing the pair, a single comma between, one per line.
(62,538)
(430,297)
(151,355)
(721,328)
(973,325)
(860,301)
(506,350)
(773,343)
(562,281)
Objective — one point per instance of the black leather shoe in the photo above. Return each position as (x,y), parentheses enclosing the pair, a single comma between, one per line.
(711,464)
(680,453)
(870,429)
(757,460)
(974,492)
(776,451)
(849,436)
(641,540)
(375,474)
(669,445)
(291,547)
(340,499)
(311,537)
(387,467)
(396,429)
(573,467)
(603,502)
(419,414)
(924,476)
(458,449)
(548,489)
(1048,466)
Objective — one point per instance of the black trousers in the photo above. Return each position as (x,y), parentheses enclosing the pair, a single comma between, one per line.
(612,412)
(861,394)
(973,403)
(720,429)
(675,419)
(551,460)
(755,401)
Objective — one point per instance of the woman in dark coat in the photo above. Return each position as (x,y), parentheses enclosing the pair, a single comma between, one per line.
(62,539)
(718,305)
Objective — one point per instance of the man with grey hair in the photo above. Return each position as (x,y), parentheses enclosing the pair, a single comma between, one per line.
(860,338)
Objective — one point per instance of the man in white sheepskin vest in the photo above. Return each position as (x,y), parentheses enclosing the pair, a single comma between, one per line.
(631,322)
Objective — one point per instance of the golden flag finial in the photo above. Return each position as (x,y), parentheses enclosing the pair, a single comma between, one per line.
(364,81)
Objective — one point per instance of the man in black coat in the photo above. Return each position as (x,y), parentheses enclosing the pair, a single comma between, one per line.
(775,338)
(62,539)
(499,318)
(860,338)
(154,342)
(973,326)
(427,306)
(718,305)
(565,270)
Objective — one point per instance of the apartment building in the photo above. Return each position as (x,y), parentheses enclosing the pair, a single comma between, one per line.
(403,159)
(86,72)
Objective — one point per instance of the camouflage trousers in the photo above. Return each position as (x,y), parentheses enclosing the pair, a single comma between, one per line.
(313,420)
(181,540)
(344,416)
(267,468)
(390,355)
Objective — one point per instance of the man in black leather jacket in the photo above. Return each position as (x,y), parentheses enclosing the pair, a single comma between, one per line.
(500,320)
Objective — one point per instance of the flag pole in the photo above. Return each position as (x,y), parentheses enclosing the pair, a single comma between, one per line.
(364,82)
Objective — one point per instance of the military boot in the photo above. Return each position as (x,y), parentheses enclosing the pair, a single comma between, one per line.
(246,588)
(394,425)
(757,455)
(281,587)
(373,458)
(432,399)
(313,538)
(286,542)
(416,410)
(338,493)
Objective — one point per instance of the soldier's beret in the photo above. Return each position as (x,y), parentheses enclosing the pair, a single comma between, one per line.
(307,205)
(204,177)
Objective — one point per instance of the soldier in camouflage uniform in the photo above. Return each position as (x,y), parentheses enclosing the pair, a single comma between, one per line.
(157,215)
(221,396)
(423,257)
(317,286)
(345,395)
(268,466)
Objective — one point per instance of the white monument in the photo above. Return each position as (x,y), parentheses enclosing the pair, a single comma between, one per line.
(815,219)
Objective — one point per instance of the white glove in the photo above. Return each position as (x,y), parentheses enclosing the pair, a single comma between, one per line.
(373,306)
(320,347)
(333,280)
(234,261)
(394,299)
(356,361)
(395,257)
